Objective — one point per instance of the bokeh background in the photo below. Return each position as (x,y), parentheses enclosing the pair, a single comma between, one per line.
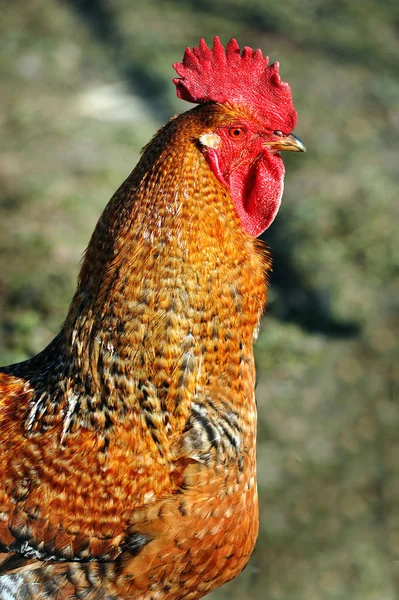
(84,86)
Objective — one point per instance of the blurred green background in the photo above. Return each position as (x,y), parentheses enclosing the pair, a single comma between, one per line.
(84,86)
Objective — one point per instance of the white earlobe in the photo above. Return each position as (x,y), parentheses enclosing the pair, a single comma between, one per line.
(210,140)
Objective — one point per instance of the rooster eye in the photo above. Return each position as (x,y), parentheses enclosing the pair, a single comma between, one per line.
(236,132)
(278,133)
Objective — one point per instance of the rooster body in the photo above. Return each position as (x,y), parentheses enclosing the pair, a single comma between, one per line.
(127,447)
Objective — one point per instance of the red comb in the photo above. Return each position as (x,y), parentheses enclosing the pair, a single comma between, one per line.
(228,77)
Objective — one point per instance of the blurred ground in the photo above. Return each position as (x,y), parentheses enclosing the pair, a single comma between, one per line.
(85,85)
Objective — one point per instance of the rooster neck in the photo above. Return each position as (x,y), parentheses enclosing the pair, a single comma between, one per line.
(170,292)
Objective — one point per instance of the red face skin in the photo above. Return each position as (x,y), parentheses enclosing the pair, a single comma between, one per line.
(253,172)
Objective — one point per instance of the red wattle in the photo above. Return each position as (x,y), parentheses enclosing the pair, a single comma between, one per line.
(213,161)
(256,191)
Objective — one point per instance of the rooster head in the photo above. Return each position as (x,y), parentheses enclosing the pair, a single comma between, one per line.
(253,120)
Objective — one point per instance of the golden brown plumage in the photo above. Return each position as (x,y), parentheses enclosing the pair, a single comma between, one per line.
(127,447)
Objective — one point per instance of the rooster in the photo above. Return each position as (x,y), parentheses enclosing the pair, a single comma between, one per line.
(127,446)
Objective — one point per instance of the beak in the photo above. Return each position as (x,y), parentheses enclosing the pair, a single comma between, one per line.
(288,142)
